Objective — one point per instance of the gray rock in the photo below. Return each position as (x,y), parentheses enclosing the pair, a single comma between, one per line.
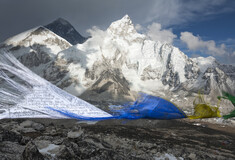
(27,130)
(74,134)
(31,124)
(31,152)
(10,150)
(38,127)
(192,156)
(140,139)
(42,143)
(66,153)
(11,136)
(26,124)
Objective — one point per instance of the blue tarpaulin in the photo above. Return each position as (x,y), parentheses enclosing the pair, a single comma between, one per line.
(146,106)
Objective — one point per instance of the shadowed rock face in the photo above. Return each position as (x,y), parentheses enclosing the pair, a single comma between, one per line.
(35,58)
(64,29)
(110,85)
(111,80)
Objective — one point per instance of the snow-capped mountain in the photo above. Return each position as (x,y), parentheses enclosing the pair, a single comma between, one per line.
(145,65)
(35,48)
(64,29)
(115,64)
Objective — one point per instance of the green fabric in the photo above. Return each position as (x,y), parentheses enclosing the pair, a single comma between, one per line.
(228,96)
(232,99)
(231,115)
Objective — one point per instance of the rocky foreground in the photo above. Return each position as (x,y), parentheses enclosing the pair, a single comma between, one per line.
(140,139)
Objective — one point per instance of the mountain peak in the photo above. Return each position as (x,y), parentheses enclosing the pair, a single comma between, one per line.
(62,21)
(126,18)
(123,23)
(124,28)
(64,29)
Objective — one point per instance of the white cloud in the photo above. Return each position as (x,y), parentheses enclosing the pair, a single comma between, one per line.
(156,33)
(97,36)
(194,55)
(138,27)
(233,54)
(196,43)
(178,12)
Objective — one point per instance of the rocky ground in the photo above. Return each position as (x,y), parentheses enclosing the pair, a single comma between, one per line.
(117,139)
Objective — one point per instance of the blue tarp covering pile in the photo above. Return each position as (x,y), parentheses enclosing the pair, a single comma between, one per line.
(146,106)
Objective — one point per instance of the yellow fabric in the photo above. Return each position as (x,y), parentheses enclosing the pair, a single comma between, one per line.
(202,109)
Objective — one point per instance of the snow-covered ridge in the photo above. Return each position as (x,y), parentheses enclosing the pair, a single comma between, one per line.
(36,47)
(146,66)
(36,34)
(19,37)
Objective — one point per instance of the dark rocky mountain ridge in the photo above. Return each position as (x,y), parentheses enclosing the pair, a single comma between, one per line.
(65,30)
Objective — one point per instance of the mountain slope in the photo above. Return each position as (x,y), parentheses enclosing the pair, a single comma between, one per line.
(142,65)
(141,61)
(35,48)
(64,29)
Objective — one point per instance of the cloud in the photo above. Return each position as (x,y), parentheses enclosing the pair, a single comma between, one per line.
(233,54)
(156,33)
(194,55)
(97,36)
(83,14)
(178,12)
(138,27)
(196,43)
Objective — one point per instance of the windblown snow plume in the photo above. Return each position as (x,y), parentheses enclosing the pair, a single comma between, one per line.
(23,94)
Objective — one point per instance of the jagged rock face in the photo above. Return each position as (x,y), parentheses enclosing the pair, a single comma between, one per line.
(35,58)
(110,85)
(59,69)
(101,82)
(229,70)
(192,70)
(217,80)
(115,82)
(64,29)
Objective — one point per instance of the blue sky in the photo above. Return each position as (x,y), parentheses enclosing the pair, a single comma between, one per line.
(197,27)
(220,28)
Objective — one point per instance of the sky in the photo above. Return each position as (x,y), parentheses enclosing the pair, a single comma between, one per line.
(197,27)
